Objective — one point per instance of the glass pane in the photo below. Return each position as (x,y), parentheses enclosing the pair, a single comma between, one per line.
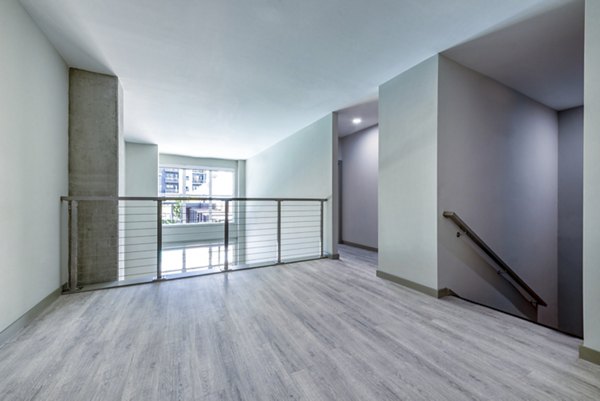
(172,261)
(218,212)
(197,182)
(169,181)
(197,258)
(173,212)
(222,184)
(197,211)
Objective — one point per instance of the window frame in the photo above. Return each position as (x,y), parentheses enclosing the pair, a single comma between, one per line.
(210,170)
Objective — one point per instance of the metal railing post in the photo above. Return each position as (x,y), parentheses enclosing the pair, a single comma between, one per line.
(73,243)
(279,231)
(159,275)
(226,235)
(322,244)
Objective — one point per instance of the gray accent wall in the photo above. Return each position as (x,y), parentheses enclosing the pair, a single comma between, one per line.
(570,220)
(33,159)
(94,139)
(498,166)
(359,187)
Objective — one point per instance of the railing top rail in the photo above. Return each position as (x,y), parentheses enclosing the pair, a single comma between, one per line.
(182,198)
(479,242)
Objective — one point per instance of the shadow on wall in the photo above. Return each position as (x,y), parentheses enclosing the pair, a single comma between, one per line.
(471,274)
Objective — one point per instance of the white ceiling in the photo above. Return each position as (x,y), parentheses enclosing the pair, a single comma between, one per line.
(368,112)
(228,78)
(541,57)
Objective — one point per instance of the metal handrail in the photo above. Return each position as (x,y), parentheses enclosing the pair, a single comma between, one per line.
(504,268)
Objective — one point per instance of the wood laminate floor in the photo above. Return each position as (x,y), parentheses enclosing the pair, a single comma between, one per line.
(321,330)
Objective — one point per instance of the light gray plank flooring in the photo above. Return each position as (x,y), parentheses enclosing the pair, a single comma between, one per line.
(322,330)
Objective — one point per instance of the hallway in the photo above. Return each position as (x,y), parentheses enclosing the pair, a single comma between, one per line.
(319,330)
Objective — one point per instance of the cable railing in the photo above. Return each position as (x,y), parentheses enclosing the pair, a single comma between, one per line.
(114,241)
(503,269)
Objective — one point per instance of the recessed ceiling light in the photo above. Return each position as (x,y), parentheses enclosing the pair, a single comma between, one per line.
(356,120)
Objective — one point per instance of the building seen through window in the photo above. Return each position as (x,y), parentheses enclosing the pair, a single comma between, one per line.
(200,185)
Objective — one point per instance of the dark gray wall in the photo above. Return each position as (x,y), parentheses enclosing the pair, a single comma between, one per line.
(570,220)
(497,168)
(359,187)
(94,136)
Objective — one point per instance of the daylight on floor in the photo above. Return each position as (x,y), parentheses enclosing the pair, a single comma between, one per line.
(300,200)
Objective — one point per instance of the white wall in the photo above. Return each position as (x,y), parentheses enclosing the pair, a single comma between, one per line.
(33,157)
(497,169)
(300,166)
(141,179)
(359,186)
(591,178)
(141,173)
(186,161)
(408,175)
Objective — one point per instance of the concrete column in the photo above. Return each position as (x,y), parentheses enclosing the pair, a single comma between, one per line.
(94,129)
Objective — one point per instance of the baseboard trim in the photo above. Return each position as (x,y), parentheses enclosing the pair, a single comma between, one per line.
(515,316)
(8,333)
(355,245)
(589,354)
(445,292)
(334,256)
(432,292)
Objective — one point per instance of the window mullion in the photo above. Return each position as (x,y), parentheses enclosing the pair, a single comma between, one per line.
(210,208)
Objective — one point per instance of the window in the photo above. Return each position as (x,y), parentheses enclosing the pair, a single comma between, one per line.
(195,182)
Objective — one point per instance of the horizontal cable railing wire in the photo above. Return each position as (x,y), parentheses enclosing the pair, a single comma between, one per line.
(116,240)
